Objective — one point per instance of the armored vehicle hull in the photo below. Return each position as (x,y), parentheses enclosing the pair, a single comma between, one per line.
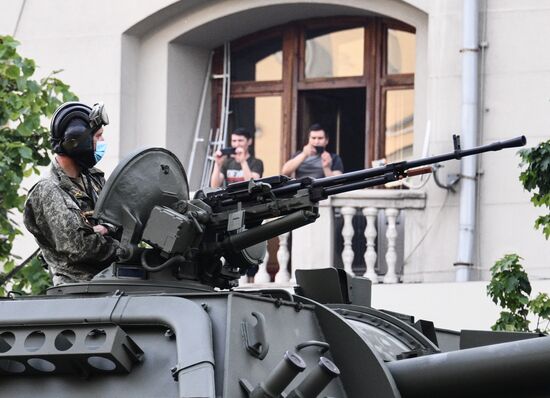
(245,344)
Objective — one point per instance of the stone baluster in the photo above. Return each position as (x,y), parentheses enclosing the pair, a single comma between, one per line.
(347,234)
(283,256)
(262,276)
(370,214)
(391,254)
(243,280)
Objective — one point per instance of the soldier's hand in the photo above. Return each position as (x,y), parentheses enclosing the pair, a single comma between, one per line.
(101,229)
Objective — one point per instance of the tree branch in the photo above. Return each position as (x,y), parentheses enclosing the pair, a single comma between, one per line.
(6,277)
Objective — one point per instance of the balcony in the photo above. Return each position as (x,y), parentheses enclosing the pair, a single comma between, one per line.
(375,227)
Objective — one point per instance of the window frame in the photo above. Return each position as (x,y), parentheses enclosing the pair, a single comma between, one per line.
(374,79)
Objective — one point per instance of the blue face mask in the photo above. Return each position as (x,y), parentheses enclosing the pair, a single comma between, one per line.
(100,148)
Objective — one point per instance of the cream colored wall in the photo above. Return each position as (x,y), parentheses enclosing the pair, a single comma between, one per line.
(268,121)
(517,82)
(452,306)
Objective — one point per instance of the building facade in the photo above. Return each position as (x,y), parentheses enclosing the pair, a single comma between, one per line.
(385,77)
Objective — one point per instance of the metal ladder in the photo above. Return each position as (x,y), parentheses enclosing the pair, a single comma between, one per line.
(216,139)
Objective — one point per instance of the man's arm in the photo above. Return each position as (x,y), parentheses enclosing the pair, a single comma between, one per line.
(217,178)
(257,168)
(62,224)
(330,167)
(239,157)
(290,166)
(247,173)
(337,165)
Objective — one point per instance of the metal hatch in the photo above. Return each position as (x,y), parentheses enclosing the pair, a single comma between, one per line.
(142,180)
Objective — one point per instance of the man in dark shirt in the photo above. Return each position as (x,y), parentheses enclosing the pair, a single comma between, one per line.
(314,160)
(240,166)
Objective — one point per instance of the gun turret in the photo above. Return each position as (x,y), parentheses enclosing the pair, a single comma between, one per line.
(232,343)
(215,237)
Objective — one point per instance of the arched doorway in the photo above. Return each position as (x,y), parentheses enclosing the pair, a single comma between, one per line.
(354,75)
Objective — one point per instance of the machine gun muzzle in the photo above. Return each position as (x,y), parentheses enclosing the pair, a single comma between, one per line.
(395,171)
(494,146)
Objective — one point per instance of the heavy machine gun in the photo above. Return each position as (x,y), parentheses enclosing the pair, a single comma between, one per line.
(215,237)
(153,324)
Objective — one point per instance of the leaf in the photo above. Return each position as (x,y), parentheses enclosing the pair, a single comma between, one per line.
(21,84)
(33,86)
(536,179)
(541,306)
(509,286)
(9,41)
(23,130)
(25,152)
(28,67)
(12,72)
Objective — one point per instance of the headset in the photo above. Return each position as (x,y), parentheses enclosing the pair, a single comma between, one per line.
(77,143)
(95,118)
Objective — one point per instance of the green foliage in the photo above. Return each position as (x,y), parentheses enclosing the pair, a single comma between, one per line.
(24,141)
(509,286)
(541,307)
(510,322)
(536,179)
(32,278)
(510,289)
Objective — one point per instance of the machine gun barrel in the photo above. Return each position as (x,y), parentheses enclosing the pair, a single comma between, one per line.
(394,171)
(283,187)
(267,231)
(234,214)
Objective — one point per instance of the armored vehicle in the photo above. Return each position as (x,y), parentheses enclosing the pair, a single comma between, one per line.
(166,321)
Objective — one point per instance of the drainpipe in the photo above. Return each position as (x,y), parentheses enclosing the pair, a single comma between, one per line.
(470,98)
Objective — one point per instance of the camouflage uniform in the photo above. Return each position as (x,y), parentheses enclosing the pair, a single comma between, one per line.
(57,213)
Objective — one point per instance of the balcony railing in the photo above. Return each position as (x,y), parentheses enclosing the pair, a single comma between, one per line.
(313,246)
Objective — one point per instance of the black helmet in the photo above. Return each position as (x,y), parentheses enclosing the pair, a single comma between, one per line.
(72,130)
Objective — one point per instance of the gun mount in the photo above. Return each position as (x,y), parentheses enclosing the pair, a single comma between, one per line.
(153,325)
(174,242)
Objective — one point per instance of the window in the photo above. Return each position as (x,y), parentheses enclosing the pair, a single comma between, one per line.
(398,125)
(354,75)
(334,53)
(401,54)
(262,61)
(262,117)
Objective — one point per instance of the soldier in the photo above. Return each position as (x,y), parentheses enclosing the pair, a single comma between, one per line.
(58,209)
